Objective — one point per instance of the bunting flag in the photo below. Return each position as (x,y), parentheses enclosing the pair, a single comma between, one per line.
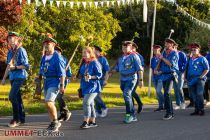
(64,3)
(43,1)
(51,3)
(84,4)
(78,4)
(195,20)
(102,4)
(58,3)
(123,2)
(128,1)
(90,4)
(107,3)
(112,3)
(20,1)
(118,3)
(29,2)
(71,4)
(96,4)
(37,2)
(145,11)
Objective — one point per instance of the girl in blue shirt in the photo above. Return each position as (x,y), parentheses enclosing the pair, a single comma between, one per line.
(90,73)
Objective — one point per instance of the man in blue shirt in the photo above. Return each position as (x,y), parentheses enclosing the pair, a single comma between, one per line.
(17,64)
(65,114)
(129,66)
(101,109)
(178,87)
(207,85)
(168,67)
(52,68)
(196,77)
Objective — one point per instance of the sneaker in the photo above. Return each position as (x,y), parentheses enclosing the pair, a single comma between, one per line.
(62,117)
(91,124)
(67,116)
(176,107)
(202,113)
(54,126)
(190,105)
(159,109)
(84,125)
(208,103)
(13,123)
(128,118)
(140,108)
(182,106)
(195,113)
(168,117)
(134,119)
(104,113)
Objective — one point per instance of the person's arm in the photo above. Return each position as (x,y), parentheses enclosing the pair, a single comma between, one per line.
(204,74)
(166,61)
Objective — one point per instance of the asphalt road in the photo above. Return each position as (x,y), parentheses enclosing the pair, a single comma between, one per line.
(150,126)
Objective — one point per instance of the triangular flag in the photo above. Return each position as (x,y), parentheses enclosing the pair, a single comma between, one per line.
(78,4)
(90,3)
(145,11)
(128,1)
(113,3)
(102,4)
(64,3)
(51,3)
(20,1)
(137,1)
(71,4)
(44,2)
(123,2)
(58,3)
(107,3)
(118,3)
(96,4)
(37,2)
(132,1)
(84,4)
(29,2)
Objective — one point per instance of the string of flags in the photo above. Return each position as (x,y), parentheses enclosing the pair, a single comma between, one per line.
(83,4)
(197,21)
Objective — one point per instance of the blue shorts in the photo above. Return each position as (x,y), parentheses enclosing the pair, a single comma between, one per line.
(51,94)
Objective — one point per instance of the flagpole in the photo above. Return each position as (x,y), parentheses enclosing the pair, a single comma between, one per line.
(151,52)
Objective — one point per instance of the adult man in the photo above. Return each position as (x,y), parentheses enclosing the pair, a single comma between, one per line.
(17,64)
(182,62)
(101,109)
(128,66)
(65,114)
(196,77)
(52,68)
(168,67)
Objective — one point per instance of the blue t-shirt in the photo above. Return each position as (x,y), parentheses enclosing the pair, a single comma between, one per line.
(167,71)
(105,67)
(208,59)
(52,70)
(128,66)
(182,61)
(155,60)
(20,59)
(141,58)
(196,67)
(93,85)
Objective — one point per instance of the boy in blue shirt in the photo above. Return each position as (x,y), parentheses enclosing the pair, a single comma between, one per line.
(101,109)
(168,68)
(17,64)
(178,87)
(196,77)
(158,84)
(129,65)
(65,114)
(52,68)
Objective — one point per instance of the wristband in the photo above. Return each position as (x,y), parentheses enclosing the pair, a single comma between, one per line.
(140,79)
(61,85)
(15,67)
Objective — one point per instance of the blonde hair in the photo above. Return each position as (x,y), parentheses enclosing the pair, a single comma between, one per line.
(90,50)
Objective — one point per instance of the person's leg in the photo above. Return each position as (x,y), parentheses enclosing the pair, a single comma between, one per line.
(158,87)
(180,87)
(21,108)
(177,95)
(99,104)
(199,96)
(192,91)
(167,85)
(208,93)
(15,100)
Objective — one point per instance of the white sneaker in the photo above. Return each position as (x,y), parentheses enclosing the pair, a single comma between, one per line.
(104,112)
(207,103)
(182,106)
(176,107)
